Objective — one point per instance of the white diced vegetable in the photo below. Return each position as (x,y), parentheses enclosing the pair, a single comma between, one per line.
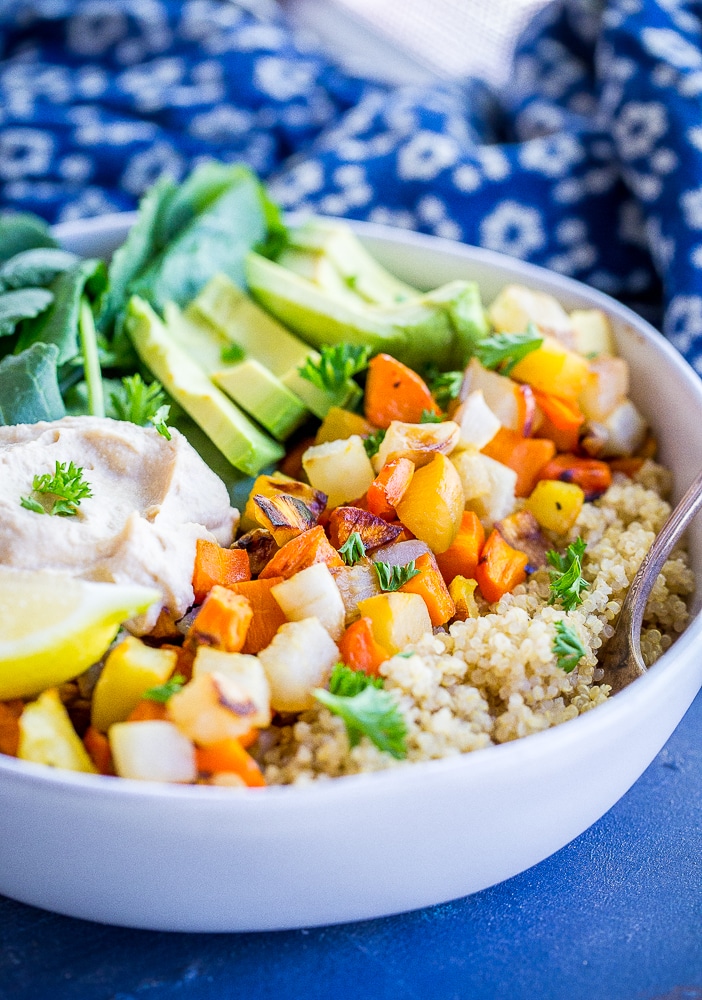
(607,386)
(299,659)
(499,501)
(241,668)
(621,434)
(477,423)
(593,332)
(516,306)
(473,472)
(503,396)
(152,751)
(341,469)
(418,442)
(213,707)
(312,593)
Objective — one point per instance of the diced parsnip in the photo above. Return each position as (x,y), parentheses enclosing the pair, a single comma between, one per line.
(299,659)
(152,751)
(312,593)
(555,505)
(340,424)
(433,503)
(553,369)
(419,443)
(47,736)
(622,433)
(284,516)
(355,583)
(499,501)
(131,668)
(473,472)
(477,423)
(505,398)
(607,386)
(341,469)
(398,619)
(214,706)
(275,484)
(516,306)
(593,332)
(242,668)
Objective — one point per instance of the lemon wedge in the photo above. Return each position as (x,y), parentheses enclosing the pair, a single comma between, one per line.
(53,627)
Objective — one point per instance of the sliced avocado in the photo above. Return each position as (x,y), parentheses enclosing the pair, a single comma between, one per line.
(436,327)
(242,321)
(264,396)
(244,445)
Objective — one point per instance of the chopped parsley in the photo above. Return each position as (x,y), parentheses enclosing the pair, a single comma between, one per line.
(366,709)
(444,386)
(393,577)
(66,486)
(142,404)
(567,647)
(429,417)
(353,549)
(336,364)
(505,350)
(567,582)
(163,692)
(373,442)
(232,353)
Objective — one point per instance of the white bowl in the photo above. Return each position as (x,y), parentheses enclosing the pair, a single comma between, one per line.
(209,859)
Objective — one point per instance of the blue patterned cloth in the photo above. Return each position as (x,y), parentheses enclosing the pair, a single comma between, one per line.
(590,163)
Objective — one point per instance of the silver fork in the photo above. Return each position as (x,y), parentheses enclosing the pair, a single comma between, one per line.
(622,661)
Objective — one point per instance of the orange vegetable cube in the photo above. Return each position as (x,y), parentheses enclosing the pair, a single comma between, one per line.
(501,568)
(374,531)
(222,621)
(592,476)
(562,420)
(461,557)
(395,392)
(432,506)
(359,649)
(229,756)
(310,547)
(10,712)
(217,566)
(267,613)
(526,456)
(431,587)
(389,487)
(98,747)
(146,711)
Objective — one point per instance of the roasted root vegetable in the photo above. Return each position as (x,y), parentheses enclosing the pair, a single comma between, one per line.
(10,712)
(340,424)
(246,672)
(462,592)
(98,747)
(217,565)
(431,587)
(476,422)
(606,387)
(395,392)
(152,751)
(355,583)
(592,476)
(223,621)
(267,616)
(461,557)
(299,659)
(556,505)
(312,593)
(521,530)
(341,469)
(216,706)
(388,488)
(260,547)
(283,515)
(131,668)
(229,757)
(47,736)
(397,619)
(310,547)
(433,503)
(554,369)
(359,649)
(512,404)
(516,306)
(276,483)
(561,420)
(499,499)
(526,456)
(593,332)
(419,443)
(373,531)
(619,435)
(501,568)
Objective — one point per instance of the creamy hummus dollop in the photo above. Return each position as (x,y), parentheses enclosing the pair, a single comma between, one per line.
(152,499)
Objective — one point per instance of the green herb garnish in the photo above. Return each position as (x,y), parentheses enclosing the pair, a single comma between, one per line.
(373,442)
(567,647)
(505,350)
(429,417)
(353,549)
(67,486)
(231,354)
(141,404)
(444,386)
(336,364)
(567,582)
(366,709)
(162,692)
(393,577)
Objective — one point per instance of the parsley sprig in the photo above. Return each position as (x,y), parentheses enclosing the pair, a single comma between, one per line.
(353,549)
(444,386)
(142,404)
(393,577)
(567,581)
(336,364)
(567,647)
(429,417)
(162,692)
(67,486)
(506,350)
(373,442)
(366,709)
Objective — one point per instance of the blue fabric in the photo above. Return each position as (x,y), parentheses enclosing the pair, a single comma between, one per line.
(590,163)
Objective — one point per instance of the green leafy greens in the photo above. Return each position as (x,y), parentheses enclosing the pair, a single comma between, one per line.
(353,549)
(66,486)
(567,647)
(504,351)
(336,364)
(366,709)
(567,581)
(393,577)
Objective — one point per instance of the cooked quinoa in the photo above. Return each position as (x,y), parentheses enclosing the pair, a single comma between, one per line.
(494,678)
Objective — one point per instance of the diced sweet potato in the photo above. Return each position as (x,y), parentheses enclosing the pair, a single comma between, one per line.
(308,548)
(374,531)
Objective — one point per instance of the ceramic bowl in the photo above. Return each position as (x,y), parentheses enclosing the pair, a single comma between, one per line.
(211,859)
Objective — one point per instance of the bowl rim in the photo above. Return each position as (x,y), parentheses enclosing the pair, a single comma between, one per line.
(554,740)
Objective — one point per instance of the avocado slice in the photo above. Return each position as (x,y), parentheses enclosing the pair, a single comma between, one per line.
(241,442)
(249,383)
(436,327)
(240,320)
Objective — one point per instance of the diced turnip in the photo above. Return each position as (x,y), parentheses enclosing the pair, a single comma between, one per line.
(312,593)
(516,306)
(213,707)
(341,469)
(606,387)
(473,472)
(593,332)
(499,501)
(418,442)
(356,583)
(152,751)
(503,396)
(242,668)
(621,434)
(299,659)
(477,423)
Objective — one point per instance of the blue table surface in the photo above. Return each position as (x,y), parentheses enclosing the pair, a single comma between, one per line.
(615,915)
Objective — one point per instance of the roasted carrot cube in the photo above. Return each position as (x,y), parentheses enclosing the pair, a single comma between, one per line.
(388,488)
(98,747)
(430,585)
(10,712)
(228,756)
(501,568)
(216,565)
(461,558)
(526,456)
(222,621)
(267,615)
(310,547)
(592,476)
(562,420)
(360,650)
(395,392)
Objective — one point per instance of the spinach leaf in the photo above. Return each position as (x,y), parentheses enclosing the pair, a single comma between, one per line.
(29,389)
(34,268)
(22,231)
(26,303)
(59,324)
(196,193)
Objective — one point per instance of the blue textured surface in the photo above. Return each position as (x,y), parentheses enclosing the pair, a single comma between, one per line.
(616,915)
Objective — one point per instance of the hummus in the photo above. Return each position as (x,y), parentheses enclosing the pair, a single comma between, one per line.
(152,499)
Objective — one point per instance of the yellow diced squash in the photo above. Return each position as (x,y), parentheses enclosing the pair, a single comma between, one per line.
(397,619)
(555,505)
(554,369)
(47,736)
(131,668)
(462,591)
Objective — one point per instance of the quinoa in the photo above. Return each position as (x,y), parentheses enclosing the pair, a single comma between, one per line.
(495,678)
